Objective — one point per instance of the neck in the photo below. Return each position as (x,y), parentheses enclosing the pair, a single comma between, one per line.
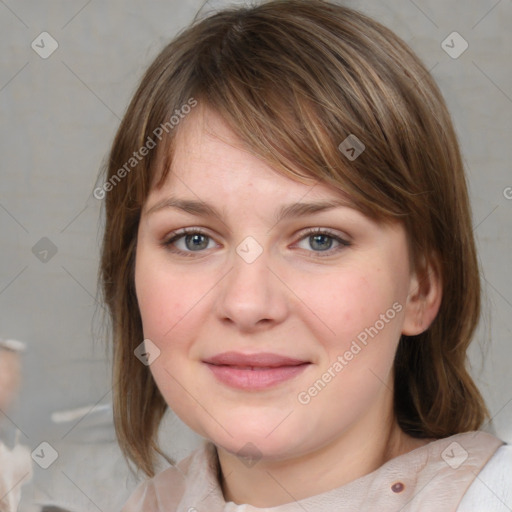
(359,450)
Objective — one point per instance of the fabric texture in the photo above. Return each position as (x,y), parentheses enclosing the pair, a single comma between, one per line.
(15,470)
(491,491)
(433,477)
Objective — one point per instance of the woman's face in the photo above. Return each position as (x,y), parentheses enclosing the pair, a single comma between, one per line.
(277,318)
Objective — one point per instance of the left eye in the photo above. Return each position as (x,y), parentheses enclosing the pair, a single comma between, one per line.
(320,241)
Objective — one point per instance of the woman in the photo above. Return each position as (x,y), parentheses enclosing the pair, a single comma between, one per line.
(289,264)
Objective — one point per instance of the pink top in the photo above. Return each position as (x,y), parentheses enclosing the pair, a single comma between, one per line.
(433,477)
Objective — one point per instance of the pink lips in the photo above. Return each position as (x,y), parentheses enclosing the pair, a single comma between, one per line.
(254,371)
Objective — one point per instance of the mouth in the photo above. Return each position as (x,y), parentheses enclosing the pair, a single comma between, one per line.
(254,371)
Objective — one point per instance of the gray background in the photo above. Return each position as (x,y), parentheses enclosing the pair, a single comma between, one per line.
(59,116)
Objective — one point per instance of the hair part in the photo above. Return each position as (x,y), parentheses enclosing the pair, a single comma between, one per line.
(294,78)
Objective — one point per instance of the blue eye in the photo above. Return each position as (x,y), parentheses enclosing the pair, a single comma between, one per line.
(321,241)
(196,242)
(187,241)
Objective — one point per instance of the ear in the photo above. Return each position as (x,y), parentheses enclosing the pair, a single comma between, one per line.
(424,299)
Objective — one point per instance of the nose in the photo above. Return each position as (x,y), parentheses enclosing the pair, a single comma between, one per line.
(252,297)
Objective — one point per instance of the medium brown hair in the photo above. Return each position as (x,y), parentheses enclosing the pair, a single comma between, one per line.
(293,79)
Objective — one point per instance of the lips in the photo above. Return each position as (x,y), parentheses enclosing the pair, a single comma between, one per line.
(254,371)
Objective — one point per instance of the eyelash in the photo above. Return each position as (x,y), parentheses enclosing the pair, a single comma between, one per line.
(177,235)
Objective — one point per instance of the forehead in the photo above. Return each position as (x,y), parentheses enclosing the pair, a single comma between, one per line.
(208,158)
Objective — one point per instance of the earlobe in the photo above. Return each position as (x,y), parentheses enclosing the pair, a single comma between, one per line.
(424,299)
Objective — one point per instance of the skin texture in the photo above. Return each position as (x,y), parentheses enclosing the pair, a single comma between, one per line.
(293,300)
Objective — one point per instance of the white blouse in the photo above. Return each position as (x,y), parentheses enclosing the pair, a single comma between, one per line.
(469,472)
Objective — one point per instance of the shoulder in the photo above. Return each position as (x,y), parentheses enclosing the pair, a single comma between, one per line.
(165,490)
(491,489)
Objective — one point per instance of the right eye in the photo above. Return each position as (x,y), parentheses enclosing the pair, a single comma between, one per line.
(187,241)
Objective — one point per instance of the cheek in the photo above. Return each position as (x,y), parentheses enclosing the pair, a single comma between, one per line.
(166,303)
(364,312)
(350,303)
(165,298)
(158,306)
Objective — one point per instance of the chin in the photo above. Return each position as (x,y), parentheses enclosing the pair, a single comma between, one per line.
(256,443)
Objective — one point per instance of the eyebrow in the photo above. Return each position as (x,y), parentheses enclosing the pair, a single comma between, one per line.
(203,209)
